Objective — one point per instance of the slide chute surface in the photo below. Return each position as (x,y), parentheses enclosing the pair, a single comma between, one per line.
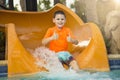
(25,30)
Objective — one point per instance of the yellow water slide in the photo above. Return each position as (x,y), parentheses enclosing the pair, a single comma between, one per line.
(25,30)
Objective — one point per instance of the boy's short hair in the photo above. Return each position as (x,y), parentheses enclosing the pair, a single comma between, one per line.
(59,12)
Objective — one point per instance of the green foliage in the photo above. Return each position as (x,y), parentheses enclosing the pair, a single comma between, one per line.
(45,5)
(2,45)
(16,7)
(72,5)
(2,41)
(63,1)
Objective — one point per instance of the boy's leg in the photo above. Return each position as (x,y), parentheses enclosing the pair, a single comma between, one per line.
(74,65)
(66,58)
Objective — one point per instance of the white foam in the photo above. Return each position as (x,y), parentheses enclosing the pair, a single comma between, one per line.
(83,43)
(48,59)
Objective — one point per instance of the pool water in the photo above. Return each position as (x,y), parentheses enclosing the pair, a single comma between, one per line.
(57,72)
(70,75)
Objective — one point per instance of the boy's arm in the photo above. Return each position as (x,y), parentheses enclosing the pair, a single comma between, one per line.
(48,39)
(70,39)
(45,41)
(75,41)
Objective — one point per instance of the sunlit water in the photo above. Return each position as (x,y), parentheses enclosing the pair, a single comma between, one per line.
(57,72)
(69,75)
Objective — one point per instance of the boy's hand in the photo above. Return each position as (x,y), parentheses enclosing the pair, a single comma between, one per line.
(69,39)
(55,36)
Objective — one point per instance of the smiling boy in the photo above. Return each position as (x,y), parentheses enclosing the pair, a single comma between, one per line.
(58,38)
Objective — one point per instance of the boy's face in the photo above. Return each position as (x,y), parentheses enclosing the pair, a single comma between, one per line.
(59,20)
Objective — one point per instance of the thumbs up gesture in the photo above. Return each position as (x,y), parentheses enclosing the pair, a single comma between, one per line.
(69,39)
(55,36)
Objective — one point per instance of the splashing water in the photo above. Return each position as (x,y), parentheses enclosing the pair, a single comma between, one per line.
(67,75)
(50,61)
(47,59)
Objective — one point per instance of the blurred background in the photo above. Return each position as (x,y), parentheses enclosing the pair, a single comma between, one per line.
(104,13)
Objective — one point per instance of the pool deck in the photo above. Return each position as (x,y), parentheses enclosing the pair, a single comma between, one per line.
(114,61)
(3,68)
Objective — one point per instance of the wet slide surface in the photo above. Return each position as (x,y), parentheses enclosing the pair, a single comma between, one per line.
(25,30)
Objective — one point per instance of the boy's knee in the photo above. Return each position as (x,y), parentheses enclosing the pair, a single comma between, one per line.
(74,65)
(73,62)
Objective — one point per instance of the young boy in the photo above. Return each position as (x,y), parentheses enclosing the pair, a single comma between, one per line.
(58,38)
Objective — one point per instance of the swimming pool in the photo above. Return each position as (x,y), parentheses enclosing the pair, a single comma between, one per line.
(70,75)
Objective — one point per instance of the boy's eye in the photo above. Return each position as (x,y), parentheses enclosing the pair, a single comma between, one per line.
(60,19)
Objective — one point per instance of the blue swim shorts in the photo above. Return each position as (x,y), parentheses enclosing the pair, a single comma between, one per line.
(65,57)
